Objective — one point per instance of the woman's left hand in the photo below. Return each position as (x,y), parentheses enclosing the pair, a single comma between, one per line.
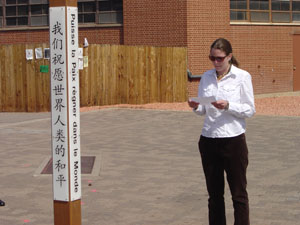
(193,104)
(220,104)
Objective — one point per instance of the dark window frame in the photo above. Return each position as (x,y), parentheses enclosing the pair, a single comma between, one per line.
(110,12)
(13,15)
(271,15)
(15,19)
(1,14)
(43,17)
(113,14)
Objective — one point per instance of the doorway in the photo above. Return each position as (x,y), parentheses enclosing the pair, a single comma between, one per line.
(296,62)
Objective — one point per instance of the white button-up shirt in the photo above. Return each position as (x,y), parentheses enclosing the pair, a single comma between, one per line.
(236,88)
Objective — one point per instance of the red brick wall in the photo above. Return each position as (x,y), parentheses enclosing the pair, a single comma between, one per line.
(25,36)
(207,20)
(267,53)
(110,35)
(155,22)
(193,87)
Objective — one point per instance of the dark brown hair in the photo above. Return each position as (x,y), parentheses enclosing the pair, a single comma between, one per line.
(225,46)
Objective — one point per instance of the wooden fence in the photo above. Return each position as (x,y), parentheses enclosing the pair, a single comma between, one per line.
(116,74)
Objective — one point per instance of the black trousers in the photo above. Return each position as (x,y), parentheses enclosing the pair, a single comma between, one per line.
(229,155)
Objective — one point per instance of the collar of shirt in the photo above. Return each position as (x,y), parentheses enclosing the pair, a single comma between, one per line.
(231,73)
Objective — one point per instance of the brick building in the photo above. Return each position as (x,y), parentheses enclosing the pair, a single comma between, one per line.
(264,33)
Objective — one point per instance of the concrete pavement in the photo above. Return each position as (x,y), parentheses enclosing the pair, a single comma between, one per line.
(150,170)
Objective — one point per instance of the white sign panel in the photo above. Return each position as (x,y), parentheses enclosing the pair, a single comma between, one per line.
(65,103)
(74,108)
(57,29)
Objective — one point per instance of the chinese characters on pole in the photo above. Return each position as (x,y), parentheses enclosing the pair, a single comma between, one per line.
(65,103)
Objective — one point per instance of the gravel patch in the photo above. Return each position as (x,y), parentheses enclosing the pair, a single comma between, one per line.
(274,106)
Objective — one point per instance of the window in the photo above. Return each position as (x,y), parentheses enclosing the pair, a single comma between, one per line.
(296,11)
(110,11)
(32,13)
(18,13)
(270,11)
(39,12)
(87,12)
(100,11)
(238,10)
(1,14)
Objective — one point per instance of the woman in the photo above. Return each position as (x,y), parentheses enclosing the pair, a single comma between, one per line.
(222,144)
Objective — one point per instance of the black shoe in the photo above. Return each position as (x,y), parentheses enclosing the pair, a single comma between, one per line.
(2,203)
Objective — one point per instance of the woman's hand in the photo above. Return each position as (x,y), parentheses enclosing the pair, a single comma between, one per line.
(193,104)
(221,104)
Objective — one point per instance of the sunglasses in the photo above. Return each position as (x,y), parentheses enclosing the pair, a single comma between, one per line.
(218,59)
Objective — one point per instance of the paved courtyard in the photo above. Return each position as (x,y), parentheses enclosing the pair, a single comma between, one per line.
(149,170)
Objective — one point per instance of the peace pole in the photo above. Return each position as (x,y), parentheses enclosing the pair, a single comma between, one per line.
(65,108)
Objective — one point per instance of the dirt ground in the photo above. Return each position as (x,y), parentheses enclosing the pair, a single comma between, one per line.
(276,106)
